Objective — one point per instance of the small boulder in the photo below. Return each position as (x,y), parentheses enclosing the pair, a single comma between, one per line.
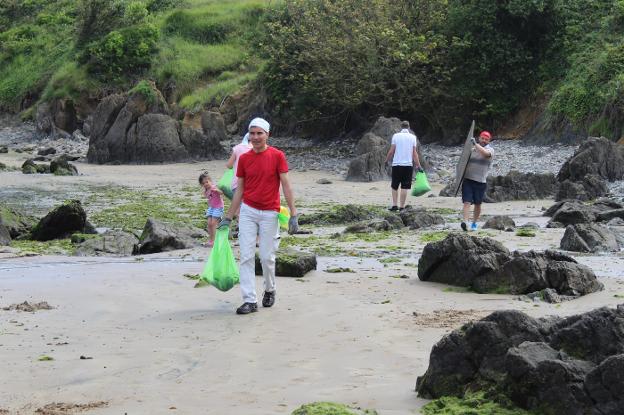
(372,225)
(61,222)
(501,223)
(589,237)
(110,243)
(420,218)
(161,236)
(5,236)
(29,167)
(62,167)
(4,149)
(46,151)
(16,223)
(572,213)
(290,263)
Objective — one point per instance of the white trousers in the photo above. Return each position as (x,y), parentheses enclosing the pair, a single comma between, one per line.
(251,223)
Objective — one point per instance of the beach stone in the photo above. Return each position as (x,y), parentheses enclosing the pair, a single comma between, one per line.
(570,213)
(420,218)
(290,263)
(161,236)
(605,386)
(110,243)
(323,181)
(339,215)
(374,225)
(29,167)
(501,223)
(551,365)
(520,186)
(61,222)
(46,151)
(609,215)
(61,166)
(17,223)
(4,149)
(5,236)
(3,166)
(589,237)
(485,265)
(596,156)
(589,188)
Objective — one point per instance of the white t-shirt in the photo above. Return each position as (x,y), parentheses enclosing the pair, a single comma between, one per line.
(405,143)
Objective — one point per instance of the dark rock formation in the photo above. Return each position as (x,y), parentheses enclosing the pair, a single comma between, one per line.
(290,263)
(15,222)
(61,166)
(589,237)
(46,151)
(375,225)
(5,236)
(501,223)
(420,218)
(342,214)
(555,366)
(485,265)
(110,243)
(589,188)
(570,213)
(138,129)
(61,222)
(159,236)
(515,186)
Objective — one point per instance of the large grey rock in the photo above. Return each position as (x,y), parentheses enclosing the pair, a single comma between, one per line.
(596,156)
(589,237)
(5,236)
(160,236)
(110,243)
(61,222)
(17,223)
(290,263)
(520,186)
(589,188)
(570,213)
(155,139)
(551,365)
(501,223)
(420,218)
(485,265)
(368,167)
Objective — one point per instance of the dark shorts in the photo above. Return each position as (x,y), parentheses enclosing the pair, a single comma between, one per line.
(402,175)
(473,192)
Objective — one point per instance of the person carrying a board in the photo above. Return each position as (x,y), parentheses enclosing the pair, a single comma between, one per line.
(475,178)
(404,160)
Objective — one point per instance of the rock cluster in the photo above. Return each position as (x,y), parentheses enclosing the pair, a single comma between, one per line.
(559,366)
(485,265)
(161,236)
(137,128)
(59,166)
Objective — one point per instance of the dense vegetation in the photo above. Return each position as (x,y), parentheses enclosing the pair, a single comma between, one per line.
(329,65)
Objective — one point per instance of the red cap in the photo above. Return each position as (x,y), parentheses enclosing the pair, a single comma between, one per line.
(485,134)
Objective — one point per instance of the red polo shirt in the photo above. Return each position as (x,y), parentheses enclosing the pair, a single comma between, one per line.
(262,181)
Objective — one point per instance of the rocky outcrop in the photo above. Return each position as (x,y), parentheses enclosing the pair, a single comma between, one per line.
(56,118)
(568,366)
(589,237)
(16,223)
(501,223)
(290,263)
(137,128)
(515,186)
(570,212)
(160,236)
(61,222)
(521,186)
(420,218)
(589,188)
(370,161)
(485,265)
(110,243)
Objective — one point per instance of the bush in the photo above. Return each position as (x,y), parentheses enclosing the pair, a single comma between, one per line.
(122,53)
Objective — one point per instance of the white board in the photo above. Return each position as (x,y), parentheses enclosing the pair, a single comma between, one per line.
(462,164)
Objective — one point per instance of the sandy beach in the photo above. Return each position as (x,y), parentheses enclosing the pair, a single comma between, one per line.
(132,335)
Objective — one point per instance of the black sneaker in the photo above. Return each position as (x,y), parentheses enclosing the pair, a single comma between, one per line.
(269,299)
(247,308)
(394,208)
(464,227)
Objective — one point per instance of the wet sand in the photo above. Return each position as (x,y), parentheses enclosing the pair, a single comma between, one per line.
(153,344)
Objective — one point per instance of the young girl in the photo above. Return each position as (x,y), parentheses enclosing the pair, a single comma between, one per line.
(215,205)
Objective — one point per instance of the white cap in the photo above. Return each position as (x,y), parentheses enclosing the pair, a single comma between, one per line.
(260,122)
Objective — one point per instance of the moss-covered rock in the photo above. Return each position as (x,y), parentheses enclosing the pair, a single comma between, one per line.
(330,408)
(290,263)
(61,222)
(16,223)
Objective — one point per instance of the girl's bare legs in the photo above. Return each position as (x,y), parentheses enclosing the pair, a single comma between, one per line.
(212,229)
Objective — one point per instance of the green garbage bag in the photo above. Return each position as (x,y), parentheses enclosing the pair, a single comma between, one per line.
(283,216)
(420,186)
(225,184)
(221,270)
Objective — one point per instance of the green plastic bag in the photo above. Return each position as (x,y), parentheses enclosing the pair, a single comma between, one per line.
(283,216)
(420,186)
(225,184)
(221,270)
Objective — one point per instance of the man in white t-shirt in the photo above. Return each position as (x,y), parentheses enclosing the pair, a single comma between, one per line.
(404,159)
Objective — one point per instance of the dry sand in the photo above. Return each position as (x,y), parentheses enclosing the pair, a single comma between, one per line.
(151,344)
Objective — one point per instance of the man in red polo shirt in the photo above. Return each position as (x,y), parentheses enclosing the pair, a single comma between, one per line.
(260,173)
